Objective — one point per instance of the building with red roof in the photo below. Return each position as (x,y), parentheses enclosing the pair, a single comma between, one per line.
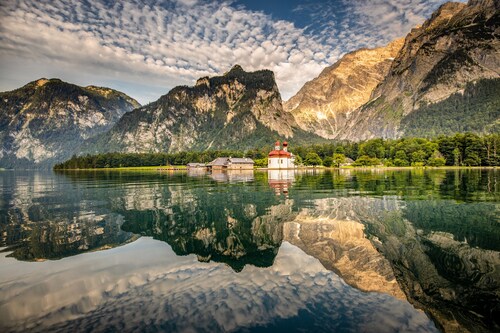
(281,158)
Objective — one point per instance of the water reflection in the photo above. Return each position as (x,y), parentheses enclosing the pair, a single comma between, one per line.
(48,218)
(148,283)
(431,237)
(281,180)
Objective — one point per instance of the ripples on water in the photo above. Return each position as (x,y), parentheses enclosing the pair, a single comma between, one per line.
(267,251)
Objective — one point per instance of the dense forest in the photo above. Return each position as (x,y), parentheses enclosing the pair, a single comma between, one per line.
(475,109)
(459,150)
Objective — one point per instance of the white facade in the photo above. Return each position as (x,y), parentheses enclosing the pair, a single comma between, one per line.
(281,162)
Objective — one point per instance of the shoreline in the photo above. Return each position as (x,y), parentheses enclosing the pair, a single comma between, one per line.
(363,168)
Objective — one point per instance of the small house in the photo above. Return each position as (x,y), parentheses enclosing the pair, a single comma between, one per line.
(347,162)
(218,164)
(196,166)
(240,163)
(231,163)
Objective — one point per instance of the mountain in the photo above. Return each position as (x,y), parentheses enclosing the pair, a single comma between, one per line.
(323,105)
(445,79)
(237,110)
(45,121)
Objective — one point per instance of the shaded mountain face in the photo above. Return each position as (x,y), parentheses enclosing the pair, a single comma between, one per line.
(46,121)
(237,110)
(323,105)
(449,63)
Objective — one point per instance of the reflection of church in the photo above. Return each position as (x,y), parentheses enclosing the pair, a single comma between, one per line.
(280,180)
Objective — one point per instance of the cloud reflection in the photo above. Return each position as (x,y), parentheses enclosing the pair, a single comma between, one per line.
(145,286)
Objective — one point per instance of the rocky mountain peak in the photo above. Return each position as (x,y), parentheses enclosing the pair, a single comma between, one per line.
(323,104)
(41,82)
(452,51)
(444,13)
(44,121)
(235,69)
(245,106)
(204,81)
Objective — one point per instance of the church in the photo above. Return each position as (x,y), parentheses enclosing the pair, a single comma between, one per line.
(281,158)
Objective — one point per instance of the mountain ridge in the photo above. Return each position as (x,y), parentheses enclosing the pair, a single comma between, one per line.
(245,106)
(458,45)
(46,120)
(324,103)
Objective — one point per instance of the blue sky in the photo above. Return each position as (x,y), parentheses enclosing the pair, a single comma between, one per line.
(145,48)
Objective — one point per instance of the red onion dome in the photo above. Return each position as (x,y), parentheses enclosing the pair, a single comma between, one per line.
(279,153)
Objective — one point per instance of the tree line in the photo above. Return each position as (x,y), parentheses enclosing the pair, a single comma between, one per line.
(464,149)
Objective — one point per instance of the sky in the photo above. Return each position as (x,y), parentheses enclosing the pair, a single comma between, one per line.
(145,48)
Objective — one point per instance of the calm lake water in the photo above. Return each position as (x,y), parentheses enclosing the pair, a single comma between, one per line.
(343,251)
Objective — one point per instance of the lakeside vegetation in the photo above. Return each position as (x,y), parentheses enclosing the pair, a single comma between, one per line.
(465,149)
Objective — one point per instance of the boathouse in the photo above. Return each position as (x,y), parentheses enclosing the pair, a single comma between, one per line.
(231,163)
(196,166)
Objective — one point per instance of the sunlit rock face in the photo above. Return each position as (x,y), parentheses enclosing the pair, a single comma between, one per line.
(392,246)
(453,51)
(234,110)
(324,104)
(145,285)
(334,232)
(46,121)
(341,246)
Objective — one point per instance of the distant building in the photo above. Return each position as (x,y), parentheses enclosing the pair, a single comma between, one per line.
(240,163)
(347,162)
(281,158)
(231,163)
(196,165)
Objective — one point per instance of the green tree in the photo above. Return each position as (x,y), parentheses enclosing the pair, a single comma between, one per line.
(436,159)
(338,159)
(261,162)
(313,158)
(472,159)
(328,161)
(366,160)
(418,156)
(372,148)
(456,157)
(400,158)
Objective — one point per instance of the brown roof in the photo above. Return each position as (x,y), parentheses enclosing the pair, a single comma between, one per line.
(219,161)
(224,161)
(236,160)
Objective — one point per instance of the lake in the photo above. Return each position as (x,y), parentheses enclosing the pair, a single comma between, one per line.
(269,251)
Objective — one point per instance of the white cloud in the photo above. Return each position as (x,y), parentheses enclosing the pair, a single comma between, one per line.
(164,43)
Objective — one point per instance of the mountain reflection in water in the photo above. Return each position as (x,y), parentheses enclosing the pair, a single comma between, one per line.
(431,237)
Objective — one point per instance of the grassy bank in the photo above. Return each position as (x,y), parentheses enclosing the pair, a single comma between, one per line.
(139,168)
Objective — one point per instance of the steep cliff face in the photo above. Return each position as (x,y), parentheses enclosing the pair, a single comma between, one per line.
(342,246)
(46,120)
(236,110)
(323,105)
(456,48)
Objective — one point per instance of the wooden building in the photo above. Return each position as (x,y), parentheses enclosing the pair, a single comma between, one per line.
(231,163)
